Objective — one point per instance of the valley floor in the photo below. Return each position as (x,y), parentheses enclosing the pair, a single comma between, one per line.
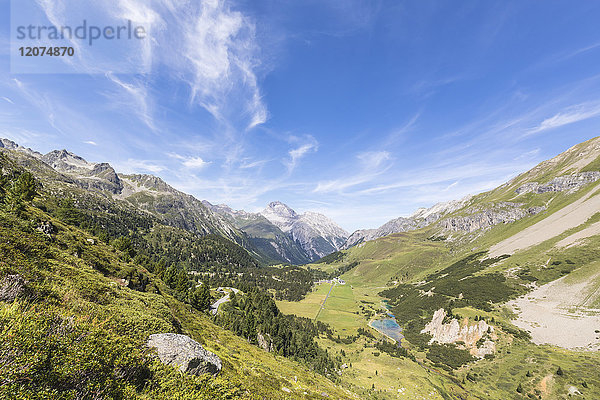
(370,372)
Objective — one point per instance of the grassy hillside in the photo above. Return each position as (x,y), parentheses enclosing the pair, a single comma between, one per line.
(75,327)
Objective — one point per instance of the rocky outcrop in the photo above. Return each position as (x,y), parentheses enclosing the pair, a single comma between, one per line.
(104,177)
(454,331)
(566,183)
(66,162)
(10,145)
(12,287)
(484,218)
(265,342)
(397,225)
(175,208)
(46,228)
(87,175)
(184,353)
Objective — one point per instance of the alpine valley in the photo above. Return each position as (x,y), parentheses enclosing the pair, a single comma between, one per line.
(120,286)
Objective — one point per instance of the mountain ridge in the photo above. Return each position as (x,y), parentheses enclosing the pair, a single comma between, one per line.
(297,238)
(308,237)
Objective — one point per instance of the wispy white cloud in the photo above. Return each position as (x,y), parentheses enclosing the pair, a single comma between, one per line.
(446,175)
(190,162)
(528,155)
(402,131)
(373,159)
(305,145)
(246,164)
(195,163)
(25,137)
(141,13)
(40,101)
(132,166)
(91,143)
(370,165)
(216,53)
(568,116)
(8,100)
(207,45)
(139,104)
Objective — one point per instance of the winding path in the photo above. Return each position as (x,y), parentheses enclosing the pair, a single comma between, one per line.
(214,308)
(326,297)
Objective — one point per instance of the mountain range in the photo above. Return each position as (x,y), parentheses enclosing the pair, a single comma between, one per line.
(284,234)
(275,235)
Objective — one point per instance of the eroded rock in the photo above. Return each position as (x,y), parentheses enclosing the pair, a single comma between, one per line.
(265,342)
(47,228)
(479,218)
(454,331)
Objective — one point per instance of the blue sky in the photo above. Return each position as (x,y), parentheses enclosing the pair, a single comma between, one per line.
(361,110)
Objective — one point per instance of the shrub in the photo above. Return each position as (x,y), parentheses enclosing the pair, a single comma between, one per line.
(449,355)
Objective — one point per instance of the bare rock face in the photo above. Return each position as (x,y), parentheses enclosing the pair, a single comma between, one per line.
(566,183)
(185,353)
(453,332)
(11,287)
(265,342)
(485,218)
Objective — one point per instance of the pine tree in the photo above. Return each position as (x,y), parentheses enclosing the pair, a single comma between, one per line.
(200,298)
(67,212)
(520,388)
(26,186)
(21,191)
(560,372)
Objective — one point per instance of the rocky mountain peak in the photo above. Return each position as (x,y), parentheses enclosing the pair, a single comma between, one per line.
(10,145)
(419,219)
(280,209)
(316,234)
(65,161)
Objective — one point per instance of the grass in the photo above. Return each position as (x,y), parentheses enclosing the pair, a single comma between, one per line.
(76,282)
(500,377)
(309,306)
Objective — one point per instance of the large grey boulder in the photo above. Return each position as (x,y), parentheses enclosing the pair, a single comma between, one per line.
(185,353)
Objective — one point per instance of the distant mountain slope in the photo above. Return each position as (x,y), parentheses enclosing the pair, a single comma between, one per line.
(513,201)
(284,234)
(265,236)
(76,311)
(145,192)
(317,234)
(421,218)
(524,255)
